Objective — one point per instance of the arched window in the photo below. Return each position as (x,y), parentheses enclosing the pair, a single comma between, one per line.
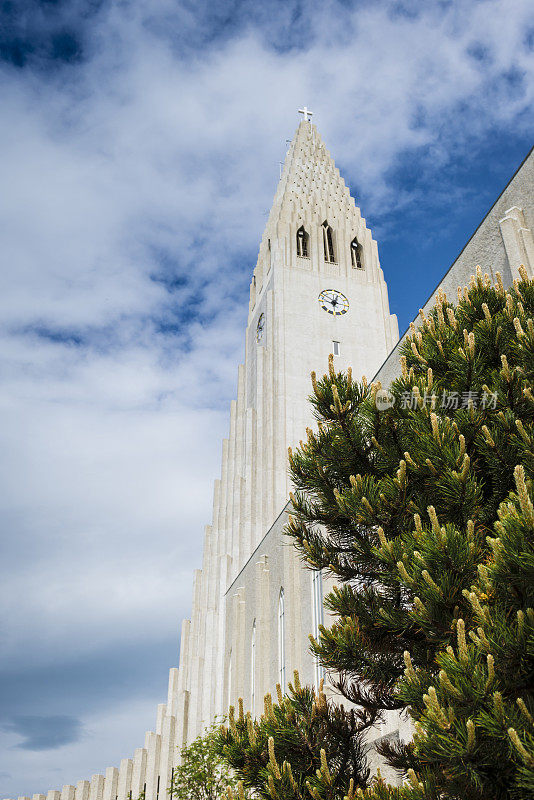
(253,670)
(303,240)
(317,614)
(281,642)
(356,254)
(328,243)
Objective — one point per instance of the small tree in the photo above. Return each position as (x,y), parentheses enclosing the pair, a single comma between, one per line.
(302,747)
(202,774)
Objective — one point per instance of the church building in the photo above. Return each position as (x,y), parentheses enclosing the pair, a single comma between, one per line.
(317,288)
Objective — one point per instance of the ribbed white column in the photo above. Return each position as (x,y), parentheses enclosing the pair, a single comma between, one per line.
(172,691)
(208,688)
(259,467)
(124,784)
(152,765)
(249,528)
(296,577)
(228,521)
(138,772)
(185,649)
(263,639)
(225,567)
(167,755)
(268,423)
(280,480)
(160,714)
(211,638)
(242,650)
(183,734)
(238,470)
(111,783)
(96,790)
(82,790)
(245,551)
(223,497)
(215,516)
(196,667)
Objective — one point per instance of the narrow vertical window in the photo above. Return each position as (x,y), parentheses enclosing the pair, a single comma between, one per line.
(229,698)
(303,243)
(328,243)
(335,348)
(317,614)
(281,642)
(253,670)
(356,254)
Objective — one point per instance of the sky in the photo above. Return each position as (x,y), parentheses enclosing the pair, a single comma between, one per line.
(140,143)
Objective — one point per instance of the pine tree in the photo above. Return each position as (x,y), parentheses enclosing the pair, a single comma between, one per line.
(475,723)
(302,747)
(434,612)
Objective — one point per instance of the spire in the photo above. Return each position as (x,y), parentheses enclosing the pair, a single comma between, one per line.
(310,182)
(314,223)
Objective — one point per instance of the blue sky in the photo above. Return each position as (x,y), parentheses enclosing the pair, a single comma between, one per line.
(140,144)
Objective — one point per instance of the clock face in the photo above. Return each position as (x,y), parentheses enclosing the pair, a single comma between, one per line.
(260,328)
(333,302)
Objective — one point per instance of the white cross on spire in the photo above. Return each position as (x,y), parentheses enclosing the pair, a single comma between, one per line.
(307,113)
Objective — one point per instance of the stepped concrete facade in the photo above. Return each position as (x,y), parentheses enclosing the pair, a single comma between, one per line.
(317,289)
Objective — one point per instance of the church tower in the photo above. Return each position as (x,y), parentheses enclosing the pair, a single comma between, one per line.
(317,289)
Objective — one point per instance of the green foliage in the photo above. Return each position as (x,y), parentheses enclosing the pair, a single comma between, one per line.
(433,612)
(475,723)
(202,774)
(302,747)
